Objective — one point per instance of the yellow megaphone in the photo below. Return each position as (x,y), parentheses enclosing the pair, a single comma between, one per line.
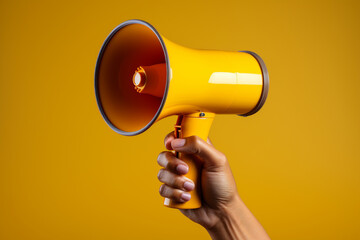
(141,77)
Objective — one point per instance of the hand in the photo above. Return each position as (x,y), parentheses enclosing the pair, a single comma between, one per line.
(222,213)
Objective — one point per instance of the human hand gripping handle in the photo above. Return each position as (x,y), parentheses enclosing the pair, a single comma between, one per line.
(187,125)
(222,213)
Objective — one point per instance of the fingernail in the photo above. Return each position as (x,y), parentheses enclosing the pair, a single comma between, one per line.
(182,169)
(185,196)
(189,186)
(178,143)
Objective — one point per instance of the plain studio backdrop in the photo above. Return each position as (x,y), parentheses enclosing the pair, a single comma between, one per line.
(64,174)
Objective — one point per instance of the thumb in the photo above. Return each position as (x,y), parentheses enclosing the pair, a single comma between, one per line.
(213,159)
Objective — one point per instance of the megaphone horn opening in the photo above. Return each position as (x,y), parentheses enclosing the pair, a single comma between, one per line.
(131,45)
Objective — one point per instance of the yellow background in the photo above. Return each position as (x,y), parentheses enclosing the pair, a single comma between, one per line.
(65,175)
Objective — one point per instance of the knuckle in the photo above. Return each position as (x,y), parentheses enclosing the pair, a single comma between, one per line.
(171,180)
(178,182)
(165,191)
(172,165)
(163,158)
(197,139)
(161,190)
(160,175)
(168,135)
(160,156)
(195,143)
(168,155)
(177,195)
(222,159)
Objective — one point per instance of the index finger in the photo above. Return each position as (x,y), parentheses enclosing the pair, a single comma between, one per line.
(197,146)
(171,136)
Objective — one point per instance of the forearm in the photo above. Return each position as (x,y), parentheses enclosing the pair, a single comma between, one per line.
(237,222)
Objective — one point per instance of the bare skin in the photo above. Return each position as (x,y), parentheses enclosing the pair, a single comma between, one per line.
(223,214)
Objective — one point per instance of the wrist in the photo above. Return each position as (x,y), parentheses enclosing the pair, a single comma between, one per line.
(235,221)
(227,219)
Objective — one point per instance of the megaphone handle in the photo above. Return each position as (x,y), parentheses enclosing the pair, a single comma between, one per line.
(198,124)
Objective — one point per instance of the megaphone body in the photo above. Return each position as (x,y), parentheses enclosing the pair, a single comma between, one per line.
(141,77)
